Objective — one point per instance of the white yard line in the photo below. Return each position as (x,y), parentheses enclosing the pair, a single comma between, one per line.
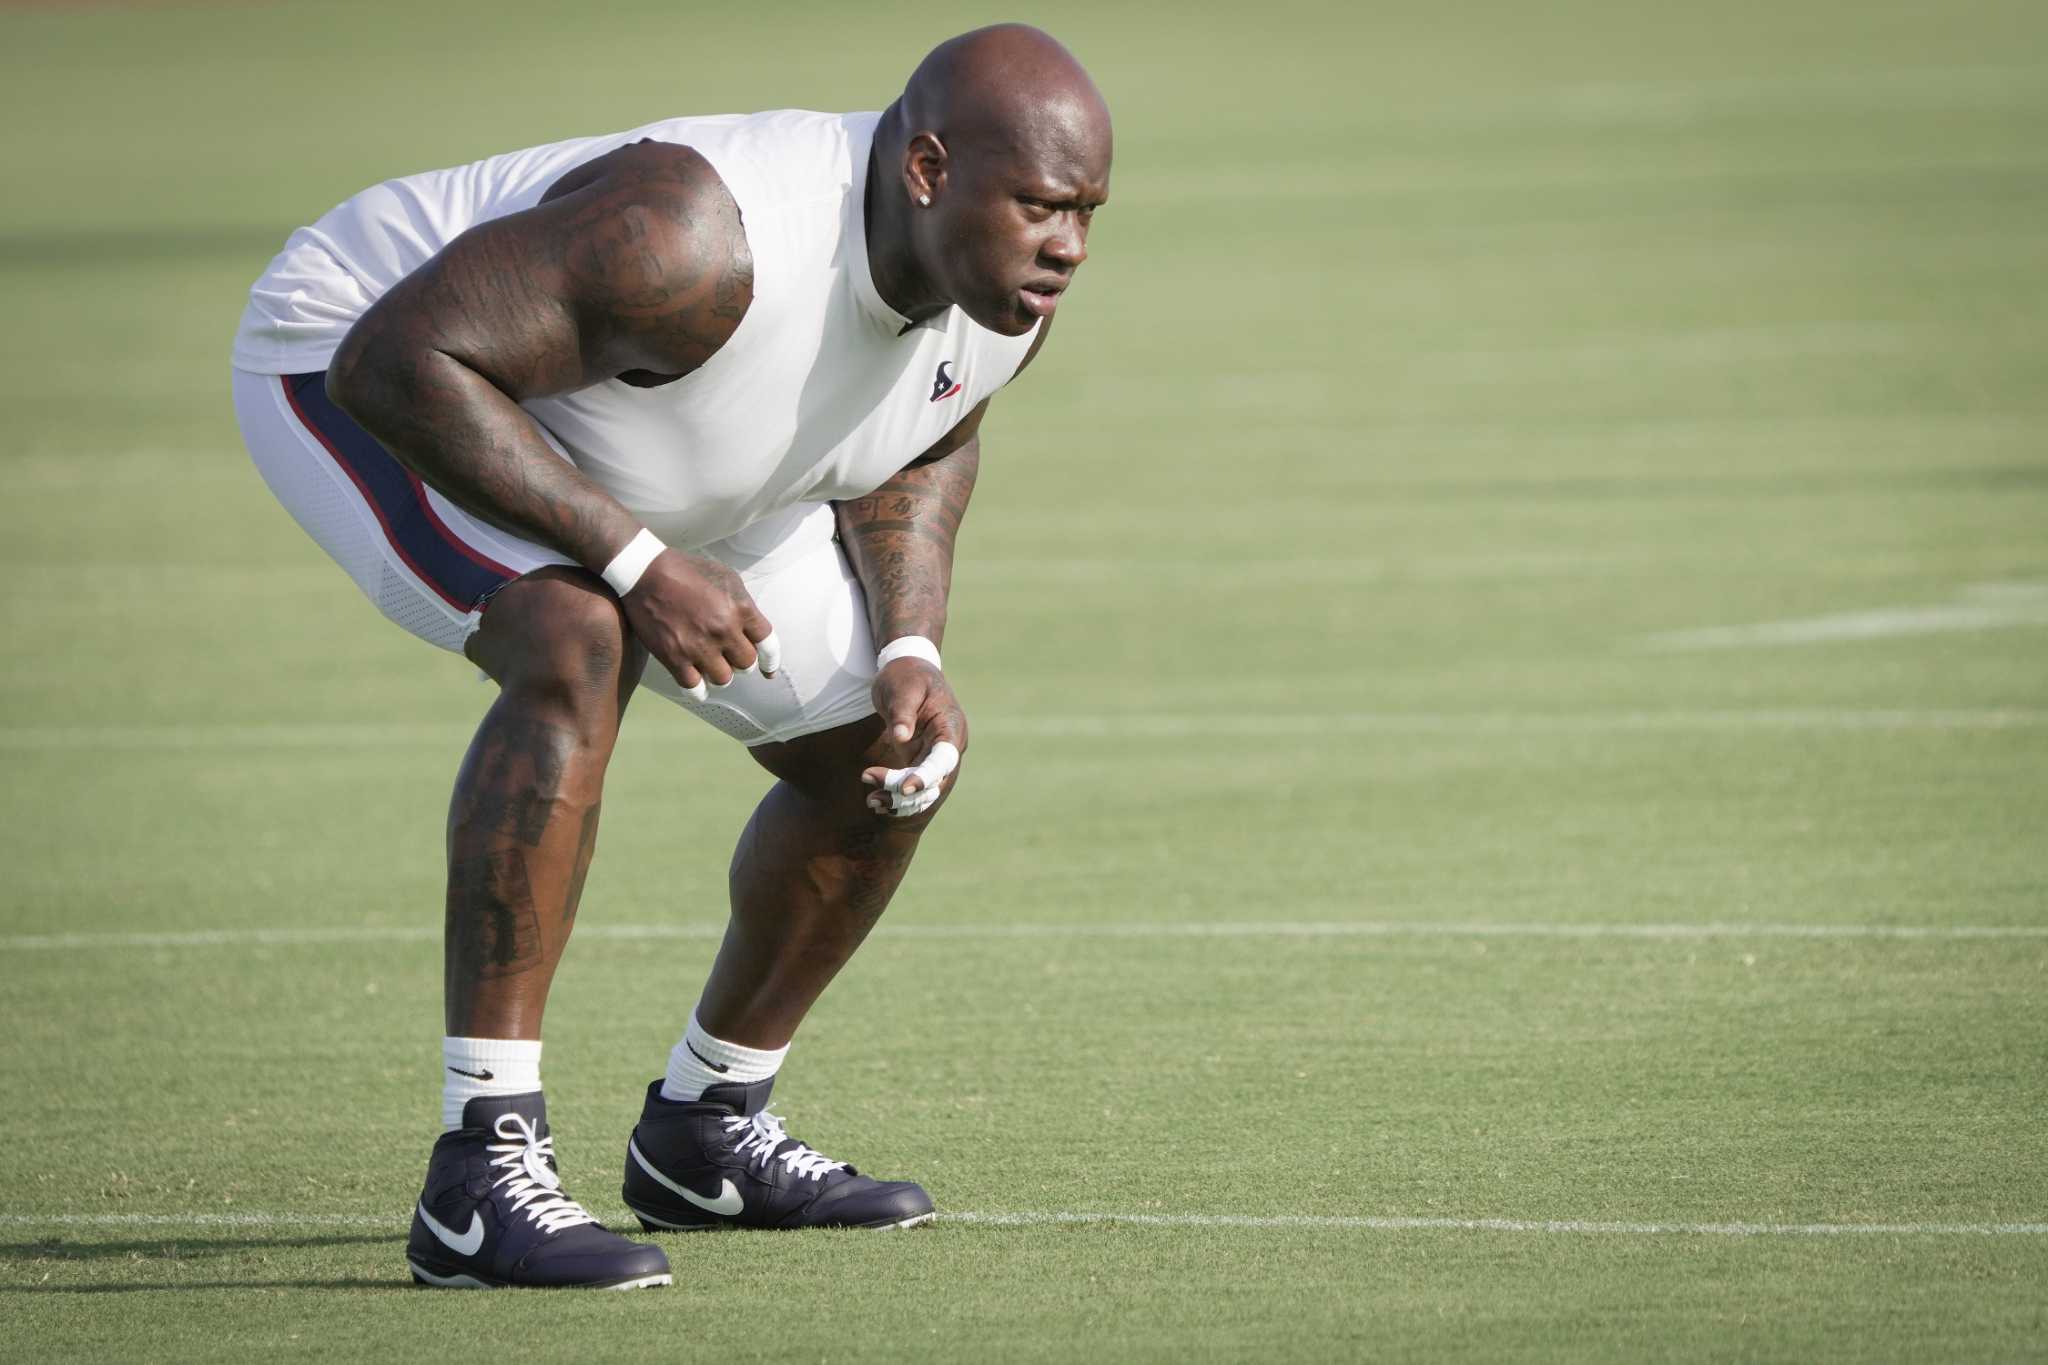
(1167,726)
(1553,1225)
(1302,1222)
(1984,606)
(1469,929)
(214,736)
(1281,929)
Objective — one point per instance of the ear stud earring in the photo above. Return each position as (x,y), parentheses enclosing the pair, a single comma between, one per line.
(925,200)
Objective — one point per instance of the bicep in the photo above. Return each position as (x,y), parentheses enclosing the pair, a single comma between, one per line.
(641,266)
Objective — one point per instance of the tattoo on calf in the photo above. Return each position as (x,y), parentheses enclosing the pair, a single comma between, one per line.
(510,786)
(493,928)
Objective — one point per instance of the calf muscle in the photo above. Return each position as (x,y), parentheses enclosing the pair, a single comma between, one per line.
(522,824)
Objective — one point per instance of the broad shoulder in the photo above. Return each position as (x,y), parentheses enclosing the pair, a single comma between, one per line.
(664,169)
(656,256)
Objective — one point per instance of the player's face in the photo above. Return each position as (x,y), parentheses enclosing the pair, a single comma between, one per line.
(1016,228)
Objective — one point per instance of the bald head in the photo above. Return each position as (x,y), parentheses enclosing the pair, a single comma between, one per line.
(1006,86)
(986,175)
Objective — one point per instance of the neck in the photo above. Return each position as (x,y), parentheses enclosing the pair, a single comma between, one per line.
(885,216)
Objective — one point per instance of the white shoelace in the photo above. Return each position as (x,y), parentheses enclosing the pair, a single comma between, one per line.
(762,1133)
(531,1182)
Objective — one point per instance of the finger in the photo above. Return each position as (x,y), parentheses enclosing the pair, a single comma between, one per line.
(740,653)
(691,682)
(902,719)
(767,649)
(899,797)
(922,781)
(889,801)
(915,804)
(937,766)
(716,670)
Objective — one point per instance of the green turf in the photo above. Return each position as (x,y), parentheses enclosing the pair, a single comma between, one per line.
(1434,362)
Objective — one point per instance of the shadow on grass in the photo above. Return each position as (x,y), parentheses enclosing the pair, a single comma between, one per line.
(154,1256)
(184,1286)
(180,1248)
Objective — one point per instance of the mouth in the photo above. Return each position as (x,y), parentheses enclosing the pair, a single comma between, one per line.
(1040,297)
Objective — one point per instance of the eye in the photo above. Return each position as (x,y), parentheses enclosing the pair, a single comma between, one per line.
(1037,210)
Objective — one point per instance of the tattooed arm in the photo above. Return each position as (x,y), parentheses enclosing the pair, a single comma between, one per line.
(900,541)
(900,537)
(633,266)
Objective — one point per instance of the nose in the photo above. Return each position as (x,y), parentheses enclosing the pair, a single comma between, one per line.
(1068,245)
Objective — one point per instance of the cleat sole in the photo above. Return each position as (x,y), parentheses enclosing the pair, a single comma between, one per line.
(644,1282)
(650,1223)
(459,1280)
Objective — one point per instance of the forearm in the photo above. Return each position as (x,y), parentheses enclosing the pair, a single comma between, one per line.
(900,540)
(469,440)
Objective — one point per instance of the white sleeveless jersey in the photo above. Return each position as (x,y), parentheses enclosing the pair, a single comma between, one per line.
(820,394)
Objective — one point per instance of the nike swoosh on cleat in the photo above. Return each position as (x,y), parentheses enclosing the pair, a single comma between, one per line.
(467,1243)
(728,1204)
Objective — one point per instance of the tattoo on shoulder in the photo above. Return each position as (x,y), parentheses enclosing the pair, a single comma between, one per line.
(658,259)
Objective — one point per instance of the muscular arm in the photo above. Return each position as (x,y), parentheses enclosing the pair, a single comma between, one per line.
(900,541)
(900,537)
(634,265)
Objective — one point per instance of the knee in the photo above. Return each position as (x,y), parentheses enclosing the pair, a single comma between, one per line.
(558,642)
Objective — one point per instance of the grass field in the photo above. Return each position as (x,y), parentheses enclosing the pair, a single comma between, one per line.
(1506,643)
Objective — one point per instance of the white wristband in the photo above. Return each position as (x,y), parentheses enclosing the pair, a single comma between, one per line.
(628,564)
(908,647)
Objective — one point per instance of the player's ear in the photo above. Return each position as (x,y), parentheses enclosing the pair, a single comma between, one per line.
(924,168)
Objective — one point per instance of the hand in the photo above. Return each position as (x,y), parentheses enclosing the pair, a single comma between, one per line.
(699,622)
(919,714)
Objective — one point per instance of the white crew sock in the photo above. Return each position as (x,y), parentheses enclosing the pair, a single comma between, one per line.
(485,1066)
(700,1060)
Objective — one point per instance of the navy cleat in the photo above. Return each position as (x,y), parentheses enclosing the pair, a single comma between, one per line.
(494,1215)
(723,1161)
